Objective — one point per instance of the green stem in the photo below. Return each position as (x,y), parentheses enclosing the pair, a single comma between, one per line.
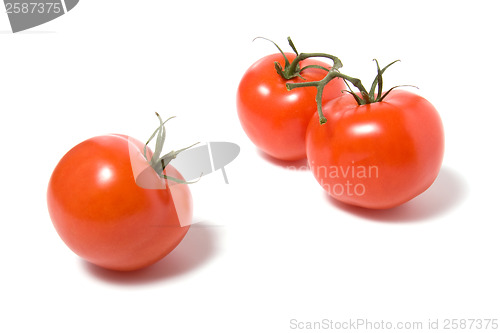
(320,85)
(366,97)
(154,133)
(159,163)
(293,69)
(162,162)
(294,65)
(319,103)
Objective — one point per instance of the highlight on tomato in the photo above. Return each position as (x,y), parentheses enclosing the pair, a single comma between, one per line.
(375,149)
(118,204)
(274,118)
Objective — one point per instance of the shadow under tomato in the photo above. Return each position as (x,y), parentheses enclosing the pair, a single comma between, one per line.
(196,249)
(447,192)
(299,165)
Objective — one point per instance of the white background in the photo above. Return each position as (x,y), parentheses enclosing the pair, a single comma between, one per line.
(270,246)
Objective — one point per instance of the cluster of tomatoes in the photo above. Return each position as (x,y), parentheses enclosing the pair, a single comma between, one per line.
(372,148)
(120,205)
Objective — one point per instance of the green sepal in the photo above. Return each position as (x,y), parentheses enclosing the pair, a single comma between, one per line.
(159,163)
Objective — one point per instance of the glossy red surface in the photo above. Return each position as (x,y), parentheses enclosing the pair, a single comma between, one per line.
(274,118)
(378,155)
(105,216)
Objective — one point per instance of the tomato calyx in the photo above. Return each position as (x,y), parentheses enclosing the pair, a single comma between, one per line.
(160,163)
(293,69)
(367,97)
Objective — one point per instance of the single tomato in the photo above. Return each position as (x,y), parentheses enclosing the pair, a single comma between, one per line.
(376,155)
(274,118)
(112,208)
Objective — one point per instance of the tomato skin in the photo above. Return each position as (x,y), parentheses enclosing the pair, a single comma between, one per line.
(274,118)
(378,155)
(104,216)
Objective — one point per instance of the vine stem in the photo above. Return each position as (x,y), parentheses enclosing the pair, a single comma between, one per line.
(293,69)
(320,85)
(302,56)
(366,97)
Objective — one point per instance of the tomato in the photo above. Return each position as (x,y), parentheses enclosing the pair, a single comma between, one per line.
(274,118)
(376,155)
(112,208)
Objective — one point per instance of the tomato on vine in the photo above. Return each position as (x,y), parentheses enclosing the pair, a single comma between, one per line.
(117,204)
(274,118)
(374,149)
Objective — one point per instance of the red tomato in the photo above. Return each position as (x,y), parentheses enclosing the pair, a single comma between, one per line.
(377,155)
(274,118)
(112,209)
